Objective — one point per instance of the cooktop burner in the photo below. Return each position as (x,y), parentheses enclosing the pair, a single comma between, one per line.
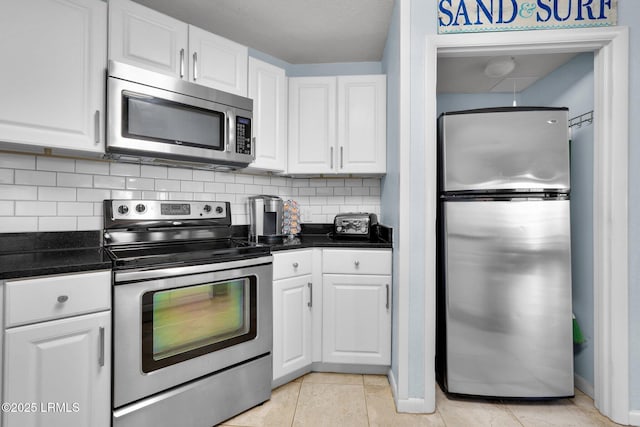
(150,233)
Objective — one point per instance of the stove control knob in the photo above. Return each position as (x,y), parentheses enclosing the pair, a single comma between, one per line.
(123,210)
(219,209)
(207,208)
(140,208)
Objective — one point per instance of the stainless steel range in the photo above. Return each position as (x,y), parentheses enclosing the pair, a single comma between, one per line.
(192,314)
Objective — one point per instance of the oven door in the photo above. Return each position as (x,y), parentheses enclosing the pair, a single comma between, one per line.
(177,324)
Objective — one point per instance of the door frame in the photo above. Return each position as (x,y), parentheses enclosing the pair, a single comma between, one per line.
(610,208)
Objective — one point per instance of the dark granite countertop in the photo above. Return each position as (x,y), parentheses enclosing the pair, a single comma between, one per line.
(39,254)
(44,253)
(320,236)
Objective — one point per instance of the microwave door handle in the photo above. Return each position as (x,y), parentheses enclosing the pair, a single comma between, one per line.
(231,131)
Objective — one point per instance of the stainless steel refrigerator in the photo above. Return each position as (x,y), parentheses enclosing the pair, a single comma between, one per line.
(504,317)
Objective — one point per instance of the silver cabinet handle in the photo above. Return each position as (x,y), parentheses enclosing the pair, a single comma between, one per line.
(63,299)
(195,66)
(310,303)
(182,63)
(387,306)
(96,124)
(101,350)
(295,265)
(341,157)
(331,158)
(357,263)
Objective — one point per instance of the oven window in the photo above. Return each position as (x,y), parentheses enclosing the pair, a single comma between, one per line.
(160,120)
(183,323)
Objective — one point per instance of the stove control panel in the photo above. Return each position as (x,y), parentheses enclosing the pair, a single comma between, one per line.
(155,210)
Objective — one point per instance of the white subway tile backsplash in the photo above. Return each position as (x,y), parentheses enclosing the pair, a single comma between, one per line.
(57,223)
(18,224)
(67,194)
(18,192)
(7,207)
(126,194)
(55,164)
(191,186)
(147,171)
(124,169)
(31,208)
(200,175)
(167,185)
(107,181)
(65,179)
(93,194)
(6,176)
(57,194)
(17,161)
(180,173)
(92,167)
(90,223)
(214,187)
(140,183)
(75,208)
(29,177)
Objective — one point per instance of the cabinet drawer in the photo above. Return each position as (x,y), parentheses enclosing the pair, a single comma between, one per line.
(291,263)
(53,297)
(356,261)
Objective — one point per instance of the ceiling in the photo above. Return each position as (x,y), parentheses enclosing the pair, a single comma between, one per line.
(327,31)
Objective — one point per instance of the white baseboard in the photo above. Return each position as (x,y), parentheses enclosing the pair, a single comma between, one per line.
(634,418)
(583,385)
(410,405)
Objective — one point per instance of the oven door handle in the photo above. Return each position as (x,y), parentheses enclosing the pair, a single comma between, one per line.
(231,130)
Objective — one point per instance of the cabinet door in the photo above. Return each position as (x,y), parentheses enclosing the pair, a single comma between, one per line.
(145,38)
(267,88)
(63,367)
(362,117)
(356,324)
(292,307)
(53,74)
(312,125)
(217,62)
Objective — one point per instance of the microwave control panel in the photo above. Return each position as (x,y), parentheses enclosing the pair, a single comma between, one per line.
(243,135)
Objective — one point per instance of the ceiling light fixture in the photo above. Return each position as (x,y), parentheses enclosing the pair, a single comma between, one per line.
(499,67)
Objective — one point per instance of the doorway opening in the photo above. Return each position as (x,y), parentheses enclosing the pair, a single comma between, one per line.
(610,224)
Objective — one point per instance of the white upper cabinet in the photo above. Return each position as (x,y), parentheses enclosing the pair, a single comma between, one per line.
(268,89)
(52,88)
(145,38)
(337,125)
(312,125)
(362,124)
(149,39)
(217,62)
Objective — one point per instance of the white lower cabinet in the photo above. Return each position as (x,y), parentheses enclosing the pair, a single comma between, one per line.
(292,312)
(356,306)
(292,325)
(57,372)
(61,369)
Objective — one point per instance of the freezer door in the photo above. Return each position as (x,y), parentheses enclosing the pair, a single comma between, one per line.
(501,150)
(508,298)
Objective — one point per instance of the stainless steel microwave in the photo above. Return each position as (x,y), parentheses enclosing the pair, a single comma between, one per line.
(152,117)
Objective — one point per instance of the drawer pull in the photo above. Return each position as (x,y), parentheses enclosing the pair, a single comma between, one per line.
(387,296)
(63,299)
(101,350)
(310,303)
(357,264)
(295,265)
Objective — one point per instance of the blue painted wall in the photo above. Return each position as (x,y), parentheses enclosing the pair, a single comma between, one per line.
(390,200)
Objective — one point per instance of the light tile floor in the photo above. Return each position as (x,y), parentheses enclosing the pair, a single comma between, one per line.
(329,400)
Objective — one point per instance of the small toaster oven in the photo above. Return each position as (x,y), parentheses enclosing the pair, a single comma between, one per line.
(358,225)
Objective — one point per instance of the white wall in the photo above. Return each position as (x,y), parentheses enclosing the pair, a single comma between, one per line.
(56,194)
